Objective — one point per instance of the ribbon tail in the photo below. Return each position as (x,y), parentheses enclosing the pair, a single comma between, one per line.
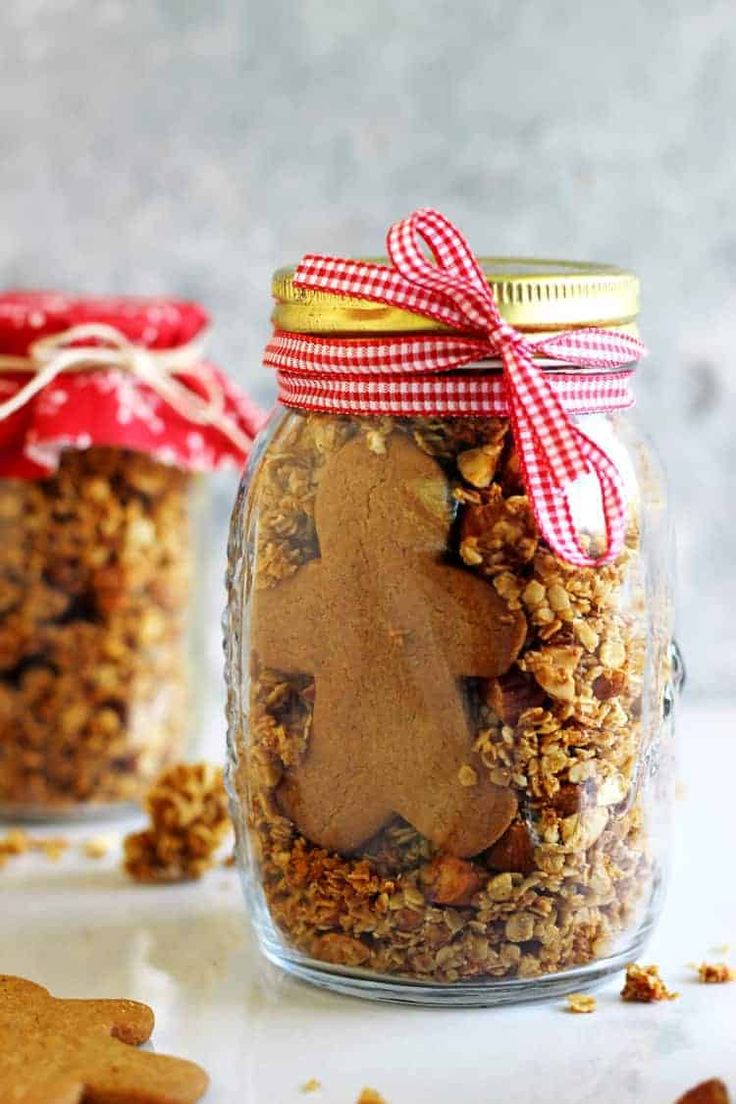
(548,489)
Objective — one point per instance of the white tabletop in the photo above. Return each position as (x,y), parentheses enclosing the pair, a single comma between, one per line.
(80,928)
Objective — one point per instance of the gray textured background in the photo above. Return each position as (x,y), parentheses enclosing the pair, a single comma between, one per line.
(192,145)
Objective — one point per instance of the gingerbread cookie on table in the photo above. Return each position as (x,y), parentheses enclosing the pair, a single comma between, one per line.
(388,631)
(55,1051)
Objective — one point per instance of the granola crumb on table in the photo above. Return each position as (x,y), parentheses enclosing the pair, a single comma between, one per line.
(18,842)
(564,727)
(643,985)
(715,973)
(187,806)
(370,1096)
(581,1002)
(94,595)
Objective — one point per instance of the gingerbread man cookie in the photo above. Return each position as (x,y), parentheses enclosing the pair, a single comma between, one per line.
(389,631)
(73,1051)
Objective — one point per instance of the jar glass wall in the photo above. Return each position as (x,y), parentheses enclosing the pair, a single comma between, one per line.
(450,752)
(96,577)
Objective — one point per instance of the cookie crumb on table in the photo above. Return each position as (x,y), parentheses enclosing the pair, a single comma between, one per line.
(370,1096)
(715,973)
(644,985)
(187,805)
(312,1085)
(581,1002)
(707,1092)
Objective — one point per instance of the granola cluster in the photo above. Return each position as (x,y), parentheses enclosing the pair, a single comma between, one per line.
(643,985)
(187,806)
(566,728)
(95,576)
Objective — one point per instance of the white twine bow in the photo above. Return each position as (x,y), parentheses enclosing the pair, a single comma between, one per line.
(57,354)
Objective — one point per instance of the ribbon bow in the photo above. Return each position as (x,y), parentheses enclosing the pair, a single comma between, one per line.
(553,451)
(99,346)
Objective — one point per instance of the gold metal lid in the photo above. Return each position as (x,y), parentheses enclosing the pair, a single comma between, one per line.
(532,295)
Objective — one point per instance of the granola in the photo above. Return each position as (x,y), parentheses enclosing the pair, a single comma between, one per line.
(95,576)
(566,728)
(715,973)
(643,985)
(581,1003)
(187,806)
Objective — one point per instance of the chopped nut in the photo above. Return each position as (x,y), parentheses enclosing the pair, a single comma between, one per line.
(512,694)
(707,1092)
(644,985)
(478,466)
(514,851)
(715,973)
(581,1002)
(451,881)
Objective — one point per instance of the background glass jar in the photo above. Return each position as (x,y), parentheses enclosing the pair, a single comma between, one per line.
(450,751)
(103,426)
(96,571)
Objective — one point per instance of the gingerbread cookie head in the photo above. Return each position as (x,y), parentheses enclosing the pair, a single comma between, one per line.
(388,631)
(399,494)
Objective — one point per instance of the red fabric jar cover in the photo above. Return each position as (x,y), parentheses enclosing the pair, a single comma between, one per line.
(122,372)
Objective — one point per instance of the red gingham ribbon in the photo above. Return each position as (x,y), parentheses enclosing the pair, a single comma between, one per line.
(413,374)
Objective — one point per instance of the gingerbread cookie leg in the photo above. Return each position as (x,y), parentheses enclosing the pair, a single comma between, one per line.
(337,799)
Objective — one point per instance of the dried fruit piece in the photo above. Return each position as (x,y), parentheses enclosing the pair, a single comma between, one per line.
(514,852)
(644,985)
(451,881)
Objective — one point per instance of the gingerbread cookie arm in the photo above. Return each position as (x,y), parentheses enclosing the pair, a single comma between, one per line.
(284,619)
(128,1021)
(141,1077)
(482,636)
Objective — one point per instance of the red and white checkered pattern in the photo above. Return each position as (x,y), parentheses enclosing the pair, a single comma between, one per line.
(418,374)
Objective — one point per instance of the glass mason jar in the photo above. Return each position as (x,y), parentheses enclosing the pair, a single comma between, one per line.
(450,751)
(99,553)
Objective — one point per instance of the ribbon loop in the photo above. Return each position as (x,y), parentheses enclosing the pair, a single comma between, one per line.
(408,375)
